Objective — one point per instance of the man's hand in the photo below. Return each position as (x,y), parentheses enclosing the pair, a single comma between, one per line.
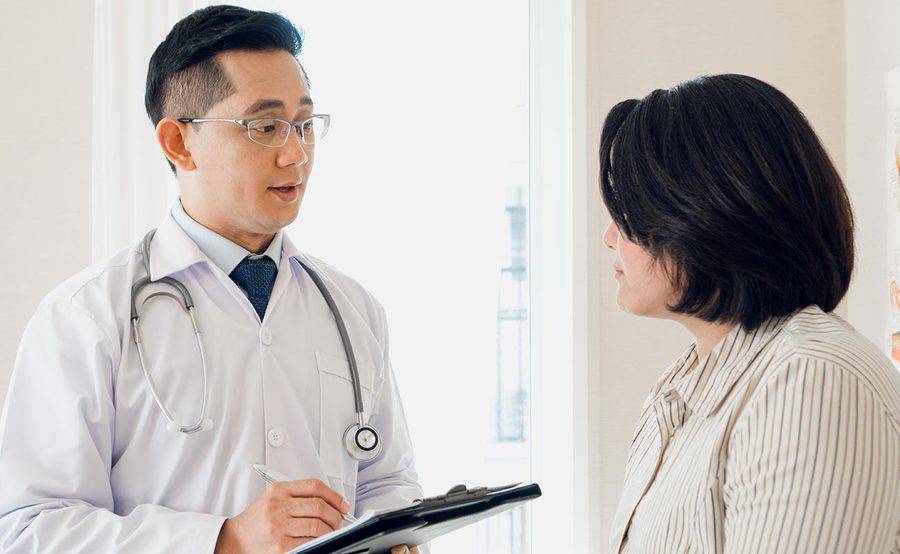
(286,515)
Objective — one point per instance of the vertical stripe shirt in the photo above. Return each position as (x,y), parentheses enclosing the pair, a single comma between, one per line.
(782,439)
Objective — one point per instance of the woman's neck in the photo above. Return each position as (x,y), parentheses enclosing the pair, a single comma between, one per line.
(708,333)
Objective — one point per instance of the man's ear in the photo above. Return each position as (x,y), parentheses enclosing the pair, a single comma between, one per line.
(171,137)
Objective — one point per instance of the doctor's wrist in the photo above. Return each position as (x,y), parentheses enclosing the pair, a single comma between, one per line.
(227,542)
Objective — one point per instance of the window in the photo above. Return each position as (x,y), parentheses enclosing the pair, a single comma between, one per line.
(420,192)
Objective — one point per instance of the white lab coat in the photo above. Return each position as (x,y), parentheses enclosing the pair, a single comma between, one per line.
(86,461)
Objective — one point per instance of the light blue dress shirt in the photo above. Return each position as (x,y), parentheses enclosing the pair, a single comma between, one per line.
(223,252)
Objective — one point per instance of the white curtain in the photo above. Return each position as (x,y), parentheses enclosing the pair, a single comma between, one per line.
(132,185)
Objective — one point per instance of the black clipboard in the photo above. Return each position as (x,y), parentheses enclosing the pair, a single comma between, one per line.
(422,521)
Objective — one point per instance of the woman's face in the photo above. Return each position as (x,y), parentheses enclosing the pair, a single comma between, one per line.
(644,288)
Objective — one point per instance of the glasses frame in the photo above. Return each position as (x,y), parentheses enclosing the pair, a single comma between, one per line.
(296,125)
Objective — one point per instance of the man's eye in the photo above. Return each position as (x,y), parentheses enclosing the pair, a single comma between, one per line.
(265,127)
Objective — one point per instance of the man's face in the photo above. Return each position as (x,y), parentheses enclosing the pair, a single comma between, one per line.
(234,185)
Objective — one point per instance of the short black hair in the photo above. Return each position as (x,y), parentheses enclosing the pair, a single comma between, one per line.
(722,179)
(183,77)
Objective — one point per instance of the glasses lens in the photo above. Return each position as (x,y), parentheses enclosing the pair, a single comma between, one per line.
(314,129)
(269,132)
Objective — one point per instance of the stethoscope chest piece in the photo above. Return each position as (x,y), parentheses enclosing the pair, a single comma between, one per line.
(362,442)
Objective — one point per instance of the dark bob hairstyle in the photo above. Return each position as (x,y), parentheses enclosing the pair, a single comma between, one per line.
(723,181)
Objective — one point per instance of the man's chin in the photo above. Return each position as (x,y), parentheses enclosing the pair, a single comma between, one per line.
(279,221)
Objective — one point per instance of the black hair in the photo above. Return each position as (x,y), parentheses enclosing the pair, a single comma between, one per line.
(723,181)
(183,77)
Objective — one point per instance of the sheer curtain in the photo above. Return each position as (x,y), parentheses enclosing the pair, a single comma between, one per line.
(132,185)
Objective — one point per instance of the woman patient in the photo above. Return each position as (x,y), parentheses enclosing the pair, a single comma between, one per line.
(778,430)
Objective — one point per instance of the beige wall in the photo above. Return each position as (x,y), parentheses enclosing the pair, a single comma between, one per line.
(873,47)
(45,232)
(637,46)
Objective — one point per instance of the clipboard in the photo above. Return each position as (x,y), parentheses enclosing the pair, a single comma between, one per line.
(422,521)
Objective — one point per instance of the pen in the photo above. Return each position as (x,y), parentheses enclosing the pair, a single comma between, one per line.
(271,477)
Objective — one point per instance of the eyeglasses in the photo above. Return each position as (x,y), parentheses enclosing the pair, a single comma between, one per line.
(274,132)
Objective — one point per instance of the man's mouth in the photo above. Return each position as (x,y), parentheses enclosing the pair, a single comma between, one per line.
(288,193)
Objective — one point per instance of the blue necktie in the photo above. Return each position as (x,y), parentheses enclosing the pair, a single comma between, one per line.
(256,277)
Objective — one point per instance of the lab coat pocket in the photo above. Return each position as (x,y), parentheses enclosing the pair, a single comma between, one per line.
(338,412)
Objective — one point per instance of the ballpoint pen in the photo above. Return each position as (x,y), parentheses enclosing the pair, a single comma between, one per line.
(272,476)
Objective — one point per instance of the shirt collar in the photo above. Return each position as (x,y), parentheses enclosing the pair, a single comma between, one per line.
(704,387)
(221,251)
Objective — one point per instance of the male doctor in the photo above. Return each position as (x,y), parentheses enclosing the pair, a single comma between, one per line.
(88,460)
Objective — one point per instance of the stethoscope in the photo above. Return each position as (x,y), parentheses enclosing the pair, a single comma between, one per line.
(360,439)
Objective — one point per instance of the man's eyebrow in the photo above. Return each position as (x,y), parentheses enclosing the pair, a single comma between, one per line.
(273,104)
(264,104)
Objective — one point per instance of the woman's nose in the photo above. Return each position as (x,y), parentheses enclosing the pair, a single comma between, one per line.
(610,236)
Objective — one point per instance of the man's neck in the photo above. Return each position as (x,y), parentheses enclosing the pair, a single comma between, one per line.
(252,242)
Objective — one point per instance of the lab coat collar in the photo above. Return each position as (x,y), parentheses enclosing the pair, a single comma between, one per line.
(289,251)
(172,250)
(287,247)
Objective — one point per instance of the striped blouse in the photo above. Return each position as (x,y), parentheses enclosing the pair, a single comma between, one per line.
(784,439)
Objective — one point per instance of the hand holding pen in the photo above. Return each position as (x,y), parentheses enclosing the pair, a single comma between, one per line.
(286,515)
(272,476)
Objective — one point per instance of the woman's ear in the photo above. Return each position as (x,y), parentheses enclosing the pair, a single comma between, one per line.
(171,135)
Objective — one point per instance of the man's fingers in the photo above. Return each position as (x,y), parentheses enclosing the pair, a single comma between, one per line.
(298,527)
(315,507)
(400,549)
(307,488)
(289,543)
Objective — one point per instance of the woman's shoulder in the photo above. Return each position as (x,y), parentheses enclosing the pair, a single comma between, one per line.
(827,337)
(821,345)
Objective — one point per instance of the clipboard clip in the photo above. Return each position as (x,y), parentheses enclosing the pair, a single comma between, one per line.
(459,492)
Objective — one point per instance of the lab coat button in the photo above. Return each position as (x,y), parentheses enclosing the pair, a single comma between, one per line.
(265,336)
(275,437)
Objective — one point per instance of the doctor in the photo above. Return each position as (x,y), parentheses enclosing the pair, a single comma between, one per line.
(89,461)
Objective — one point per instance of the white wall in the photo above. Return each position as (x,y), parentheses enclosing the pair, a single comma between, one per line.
(873,47)
(637,46)
(45,153)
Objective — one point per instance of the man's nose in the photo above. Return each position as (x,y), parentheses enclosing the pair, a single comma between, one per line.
(293,152)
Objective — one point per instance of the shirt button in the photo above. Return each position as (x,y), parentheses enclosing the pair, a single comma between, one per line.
(275,436)
(265,336)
